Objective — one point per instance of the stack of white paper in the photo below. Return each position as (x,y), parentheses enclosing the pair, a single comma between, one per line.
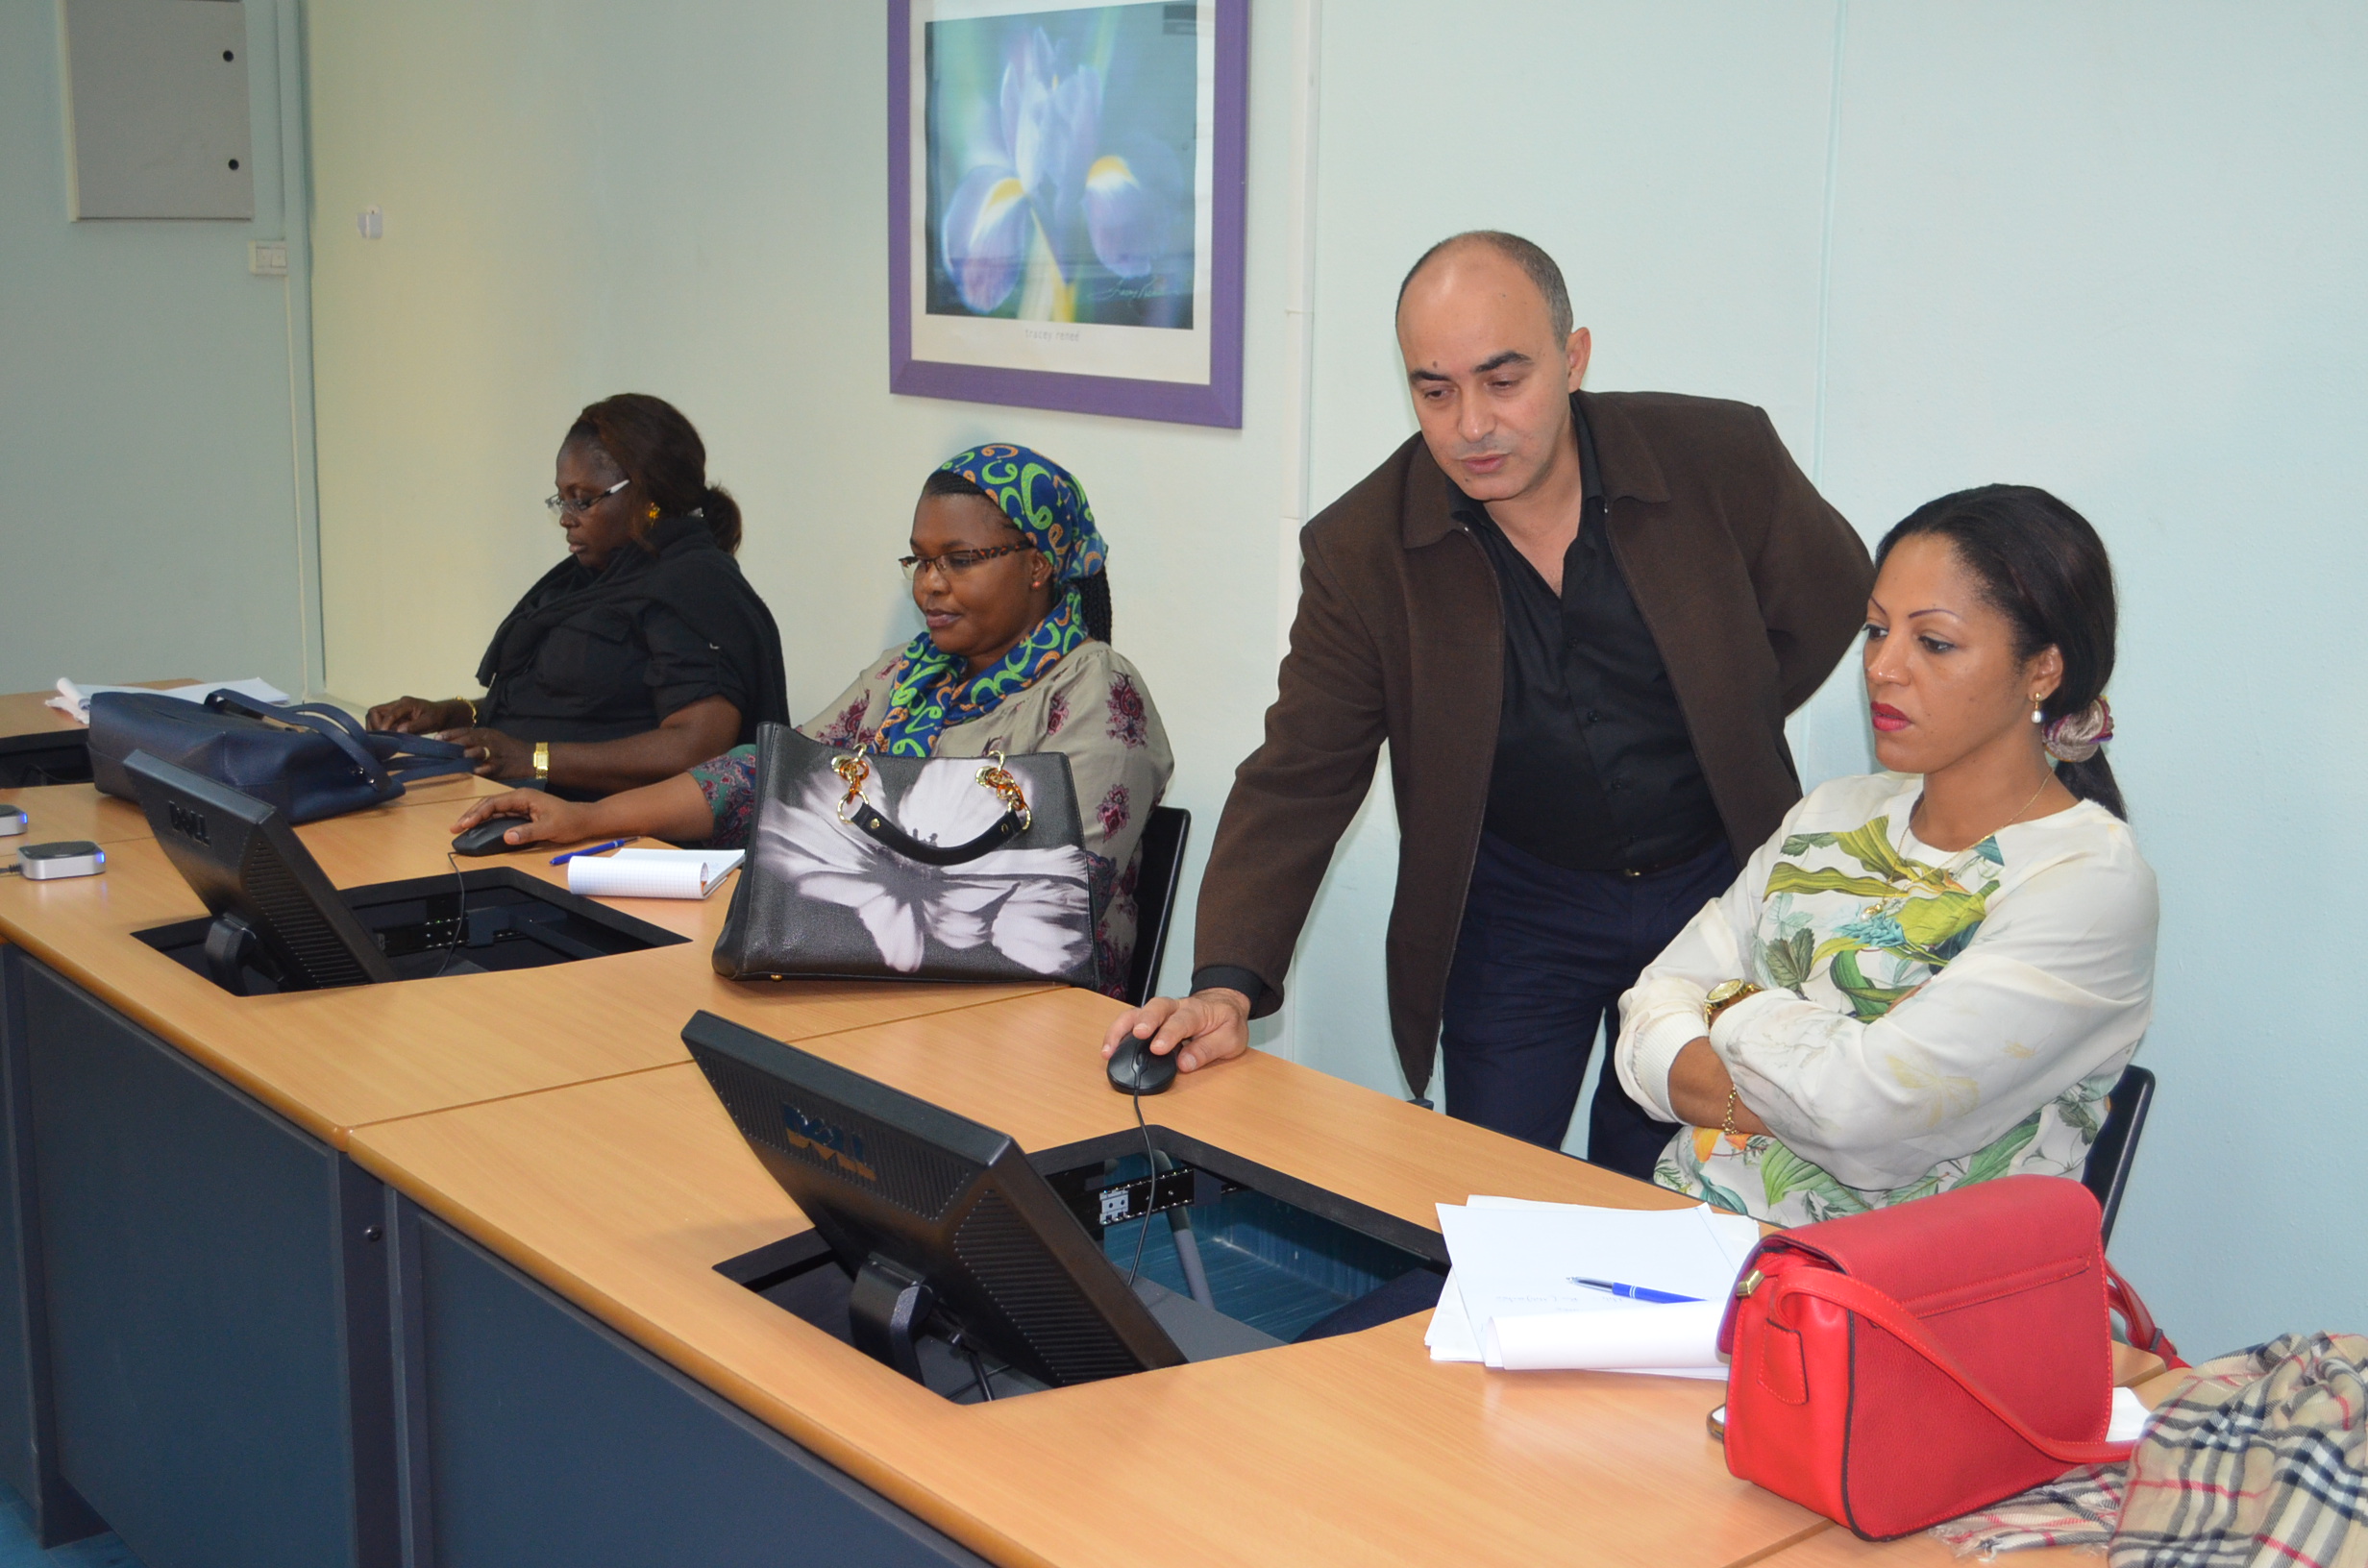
(1511,1300)
(74,700)
(651,874)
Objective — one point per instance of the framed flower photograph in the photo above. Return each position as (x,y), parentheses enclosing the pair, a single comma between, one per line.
(1065,203)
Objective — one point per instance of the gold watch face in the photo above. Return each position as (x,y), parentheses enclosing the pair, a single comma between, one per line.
(1726,990)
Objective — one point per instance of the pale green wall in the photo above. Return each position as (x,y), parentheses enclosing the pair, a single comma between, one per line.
(154,481)
(597,198)
(2115,250)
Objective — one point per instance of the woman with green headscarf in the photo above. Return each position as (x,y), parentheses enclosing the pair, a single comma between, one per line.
(1007,571)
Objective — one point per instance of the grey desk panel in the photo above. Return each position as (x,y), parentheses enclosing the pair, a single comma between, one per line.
(537,1435)
(216,1302)
(28,1426)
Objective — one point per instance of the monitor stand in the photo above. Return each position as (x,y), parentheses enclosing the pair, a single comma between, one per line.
(887,1309)
(231,947)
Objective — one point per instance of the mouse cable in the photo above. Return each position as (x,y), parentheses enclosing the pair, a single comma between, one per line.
(461,917)
(1152,1157)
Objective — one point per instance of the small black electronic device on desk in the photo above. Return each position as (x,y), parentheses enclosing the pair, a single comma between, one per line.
(949,1241)
(277,924)
(1134,1069)
(485,838)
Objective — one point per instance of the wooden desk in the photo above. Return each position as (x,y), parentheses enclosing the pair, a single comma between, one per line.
(79,811)
(38,744)
(24,715)
(328,1060)
(1836,1547)
(425,1271)
(192,1275)
(620,1197)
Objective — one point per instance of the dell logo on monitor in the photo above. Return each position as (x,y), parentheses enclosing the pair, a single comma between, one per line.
(190,824)
(832,1145)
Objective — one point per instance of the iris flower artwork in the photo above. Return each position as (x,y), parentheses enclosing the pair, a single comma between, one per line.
(1061,165)
(1066,186)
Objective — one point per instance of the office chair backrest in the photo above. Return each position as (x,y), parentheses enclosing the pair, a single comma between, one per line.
(1159,871)
(2109,1158)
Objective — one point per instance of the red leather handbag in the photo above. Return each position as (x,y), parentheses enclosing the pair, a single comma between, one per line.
(1911,1364)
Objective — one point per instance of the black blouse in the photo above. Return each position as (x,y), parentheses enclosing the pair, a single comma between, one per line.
(600,655)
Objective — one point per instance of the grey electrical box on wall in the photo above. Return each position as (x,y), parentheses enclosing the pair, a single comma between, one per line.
(156,107)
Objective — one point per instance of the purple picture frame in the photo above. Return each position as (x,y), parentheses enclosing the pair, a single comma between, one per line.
(1217,402)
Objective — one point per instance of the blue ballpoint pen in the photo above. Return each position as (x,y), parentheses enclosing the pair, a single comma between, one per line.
(1634,1292)
(589,850)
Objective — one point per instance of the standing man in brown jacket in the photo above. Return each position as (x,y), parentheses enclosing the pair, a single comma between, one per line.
(1579,620)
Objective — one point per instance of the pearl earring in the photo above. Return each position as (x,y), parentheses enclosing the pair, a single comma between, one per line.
(2037,715)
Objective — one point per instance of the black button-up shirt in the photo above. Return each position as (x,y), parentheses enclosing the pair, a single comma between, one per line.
(1595,770)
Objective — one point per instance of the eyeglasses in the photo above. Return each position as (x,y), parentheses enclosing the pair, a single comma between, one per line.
(953,563)
(578,506)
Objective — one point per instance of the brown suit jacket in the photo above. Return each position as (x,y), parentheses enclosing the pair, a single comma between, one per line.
(1751,584)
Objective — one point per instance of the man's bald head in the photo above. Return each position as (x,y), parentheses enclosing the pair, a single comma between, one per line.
(1535,263)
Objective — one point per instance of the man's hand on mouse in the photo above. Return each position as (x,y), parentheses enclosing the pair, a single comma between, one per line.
(1206,1027)
(546,819)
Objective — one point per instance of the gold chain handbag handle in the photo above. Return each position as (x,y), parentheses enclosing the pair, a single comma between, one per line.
(852,770)
(996,777)
(855,769)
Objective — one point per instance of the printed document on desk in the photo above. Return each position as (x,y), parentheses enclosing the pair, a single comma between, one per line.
(651,874)
(1511,1301)
(74,700)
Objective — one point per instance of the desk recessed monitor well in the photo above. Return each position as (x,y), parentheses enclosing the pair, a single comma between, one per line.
(278,924)
(267,894)
(936,1217)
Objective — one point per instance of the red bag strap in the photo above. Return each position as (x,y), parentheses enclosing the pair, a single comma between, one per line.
(2143,1333)
(1867,1302)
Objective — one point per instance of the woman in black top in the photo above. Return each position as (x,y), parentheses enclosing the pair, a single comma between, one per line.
(644,652)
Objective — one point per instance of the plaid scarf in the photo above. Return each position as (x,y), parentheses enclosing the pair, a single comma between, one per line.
(2256,1457)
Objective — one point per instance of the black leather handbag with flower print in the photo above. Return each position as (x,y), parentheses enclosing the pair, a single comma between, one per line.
(866,866)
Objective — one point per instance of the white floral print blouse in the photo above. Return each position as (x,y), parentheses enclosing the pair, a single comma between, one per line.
(1928,1020)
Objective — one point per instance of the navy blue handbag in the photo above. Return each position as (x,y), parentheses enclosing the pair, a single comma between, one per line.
(309,759)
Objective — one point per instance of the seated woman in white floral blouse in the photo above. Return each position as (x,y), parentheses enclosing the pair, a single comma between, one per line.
(1007,571)
(1934,975)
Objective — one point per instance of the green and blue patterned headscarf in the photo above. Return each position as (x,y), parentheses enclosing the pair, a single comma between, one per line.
(1044,502)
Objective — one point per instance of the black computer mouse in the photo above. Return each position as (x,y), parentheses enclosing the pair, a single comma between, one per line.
(1135,1070)
(485,838)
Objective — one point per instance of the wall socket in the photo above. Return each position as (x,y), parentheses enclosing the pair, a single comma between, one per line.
(267,258)
(371,222)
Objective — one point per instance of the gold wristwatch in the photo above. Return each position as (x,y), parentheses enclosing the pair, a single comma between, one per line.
(542,761)
(1723,996)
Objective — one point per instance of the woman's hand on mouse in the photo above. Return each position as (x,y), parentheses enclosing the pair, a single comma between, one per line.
(548,820)
(1206,1027)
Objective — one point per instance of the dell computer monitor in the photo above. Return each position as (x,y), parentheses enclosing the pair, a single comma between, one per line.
(272,907)
(938,1219)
